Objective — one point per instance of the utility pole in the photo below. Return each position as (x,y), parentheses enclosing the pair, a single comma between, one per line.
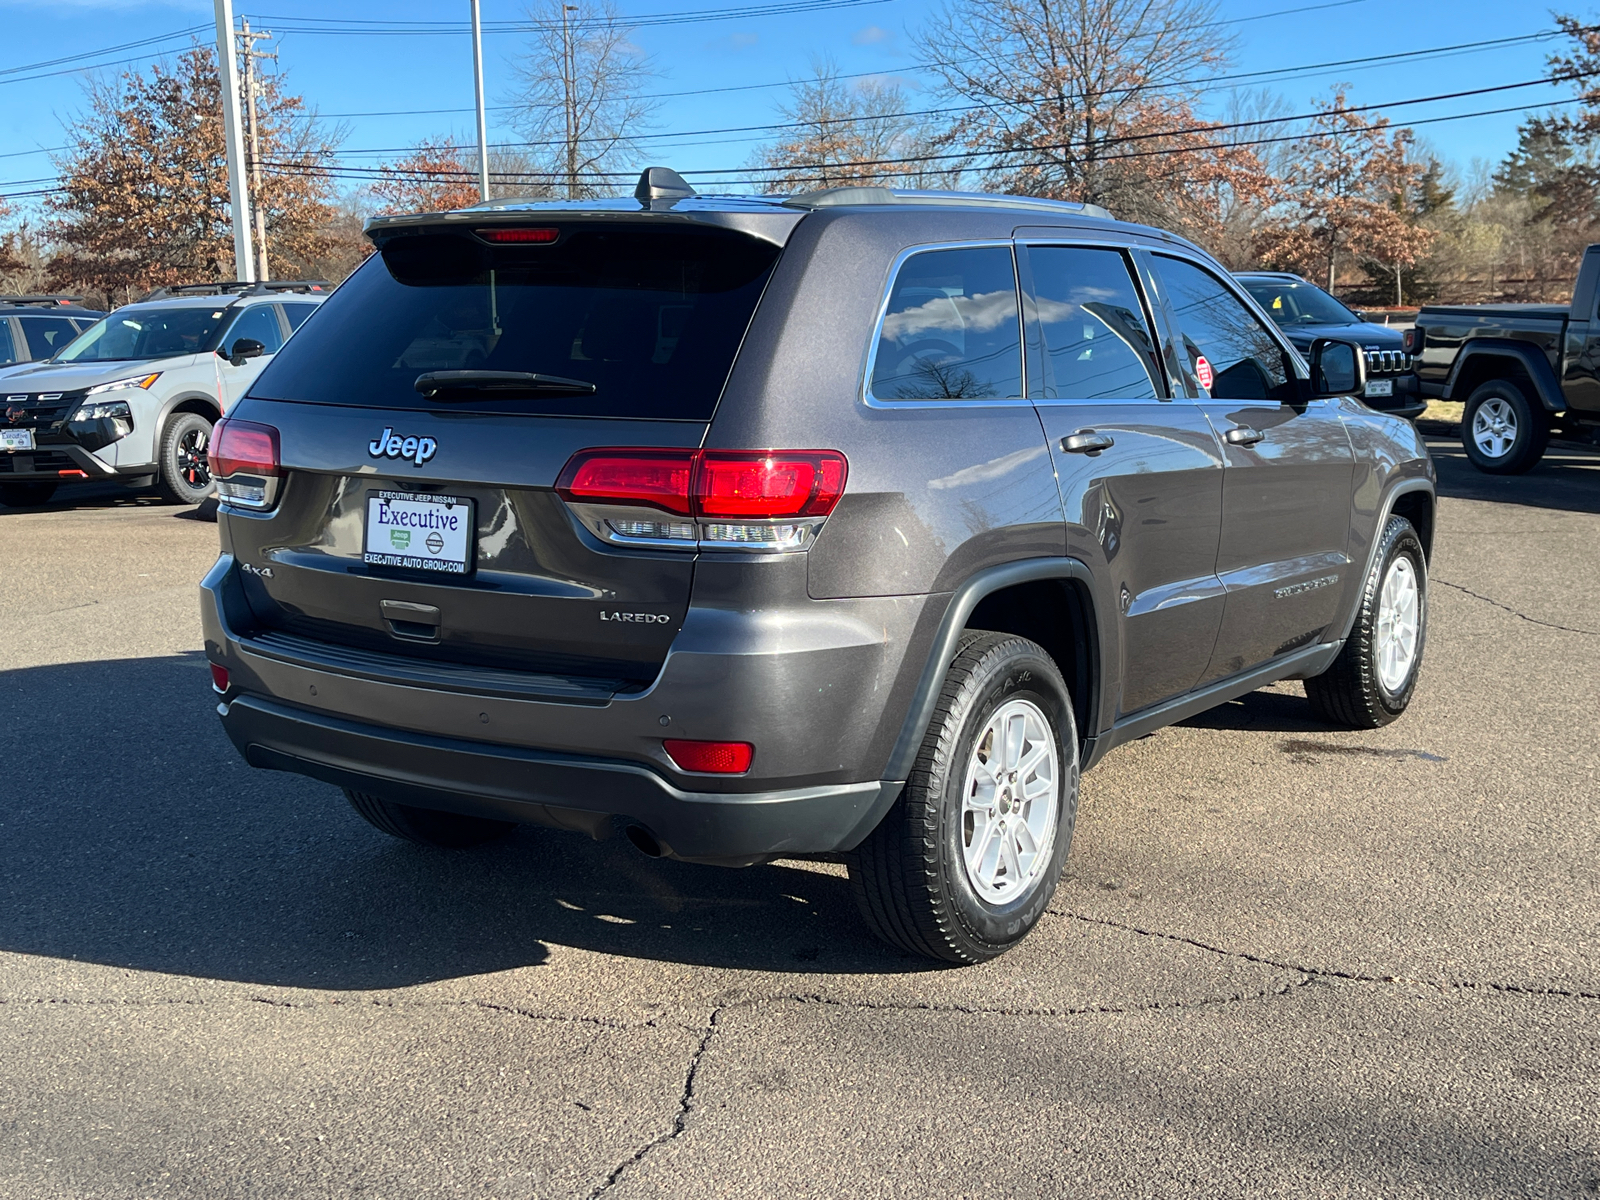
(243,256)
(483,129)
(569,81)
(247,41)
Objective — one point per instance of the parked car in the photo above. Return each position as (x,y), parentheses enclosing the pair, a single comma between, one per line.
(33,327)
(134,396)
(1525,371)
(854,524)
(1305,313)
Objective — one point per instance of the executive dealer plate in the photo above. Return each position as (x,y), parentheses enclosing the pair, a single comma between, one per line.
(419,533)
(16,439)
(1380,387)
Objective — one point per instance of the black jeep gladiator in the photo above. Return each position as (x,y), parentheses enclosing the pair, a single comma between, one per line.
(1525,371)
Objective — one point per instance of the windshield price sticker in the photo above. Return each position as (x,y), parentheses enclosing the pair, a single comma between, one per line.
(419,533)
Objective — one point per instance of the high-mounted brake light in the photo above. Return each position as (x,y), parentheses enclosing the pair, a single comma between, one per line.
(711,758)
(523,237)
(244,460)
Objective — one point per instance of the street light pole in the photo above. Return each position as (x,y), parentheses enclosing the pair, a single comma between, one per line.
(483,131)
(243,255)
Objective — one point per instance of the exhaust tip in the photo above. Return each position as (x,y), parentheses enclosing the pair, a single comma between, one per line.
(644,841)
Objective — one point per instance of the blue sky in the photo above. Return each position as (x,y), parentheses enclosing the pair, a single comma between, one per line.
(351,75)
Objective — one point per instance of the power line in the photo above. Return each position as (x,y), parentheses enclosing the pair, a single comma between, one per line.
(334,26)
(149,41)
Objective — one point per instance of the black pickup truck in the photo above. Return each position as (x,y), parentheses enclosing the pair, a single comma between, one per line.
(1525,371)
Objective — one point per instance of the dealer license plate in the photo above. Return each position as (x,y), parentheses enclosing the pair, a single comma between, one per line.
(419,533)
(1380,387)
(16,439)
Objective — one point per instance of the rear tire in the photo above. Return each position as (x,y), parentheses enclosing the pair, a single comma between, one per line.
(1374,677)
(26,495)
(1502,431)
(943,875)
(426,826)
(184,476)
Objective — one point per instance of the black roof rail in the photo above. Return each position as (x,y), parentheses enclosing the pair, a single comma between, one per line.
(42,298)
(239,287)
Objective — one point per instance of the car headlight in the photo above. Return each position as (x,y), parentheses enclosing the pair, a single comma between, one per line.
(101,410)
(142,382)
(98,423)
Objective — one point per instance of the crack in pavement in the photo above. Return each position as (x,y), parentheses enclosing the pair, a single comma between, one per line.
(685,1106)
(1328,973)
(1507,608)
(1087,1010)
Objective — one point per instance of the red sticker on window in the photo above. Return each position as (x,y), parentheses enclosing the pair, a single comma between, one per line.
(1203,372)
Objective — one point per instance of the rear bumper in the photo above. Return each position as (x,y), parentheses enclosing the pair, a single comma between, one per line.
(566,791)
(794,682)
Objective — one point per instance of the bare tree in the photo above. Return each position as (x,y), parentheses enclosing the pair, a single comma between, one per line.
(582,107)
(841,134)
(1092,100)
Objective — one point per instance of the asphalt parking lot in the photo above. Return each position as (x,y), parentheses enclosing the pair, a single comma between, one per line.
(1284,960)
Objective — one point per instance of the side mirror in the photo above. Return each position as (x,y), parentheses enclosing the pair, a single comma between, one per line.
(1337,368)
(245,348)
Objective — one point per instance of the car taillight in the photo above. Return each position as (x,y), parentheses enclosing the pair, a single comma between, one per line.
(243,446)
(245,462)
(760,499)
(219,678)
(711,758)
(654,478)
(746,485)
(1411,340)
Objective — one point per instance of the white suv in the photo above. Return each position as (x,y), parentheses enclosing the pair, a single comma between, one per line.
(134,397)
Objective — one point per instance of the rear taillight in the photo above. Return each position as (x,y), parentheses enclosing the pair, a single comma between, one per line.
(219,678)
(1411,340)
(761,499)
(653,478)
(711,758)
(244,461)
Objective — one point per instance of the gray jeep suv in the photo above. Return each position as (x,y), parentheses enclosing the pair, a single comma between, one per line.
(853,525)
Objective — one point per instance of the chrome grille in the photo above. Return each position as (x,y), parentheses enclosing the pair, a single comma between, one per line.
(1388,362)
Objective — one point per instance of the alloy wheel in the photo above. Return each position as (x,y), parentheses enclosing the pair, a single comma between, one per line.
(1494,427)
(1399,624)
(1010,801)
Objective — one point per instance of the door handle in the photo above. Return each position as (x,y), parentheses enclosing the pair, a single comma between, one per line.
(1087,441)
(1243,435)
(413,622)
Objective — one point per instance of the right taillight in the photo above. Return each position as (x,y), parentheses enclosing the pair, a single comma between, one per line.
(754,499)
(245,462)
(1411,340)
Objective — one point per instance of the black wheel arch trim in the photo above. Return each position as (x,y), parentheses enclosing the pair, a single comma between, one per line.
(1404,487)
(1547,388)
(963,600)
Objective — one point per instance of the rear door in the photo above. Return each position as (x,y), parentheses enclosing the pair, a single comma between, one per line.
(1287,489)
(651,315)
(256,322)
(1149,505)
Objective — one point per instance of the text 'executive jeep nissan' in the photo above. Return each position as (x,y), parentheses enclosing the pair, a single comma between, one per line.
(851,525)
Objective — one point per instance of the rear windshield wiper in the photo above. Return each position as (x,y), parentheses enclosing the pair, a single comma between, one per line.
(447,386)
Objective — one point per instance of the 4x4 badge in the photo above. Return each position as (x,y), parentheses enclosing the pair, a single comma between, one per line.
(390,444)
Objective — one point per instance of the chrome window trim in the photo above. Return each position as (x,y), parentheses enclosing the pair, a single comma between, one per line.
(871,401)
(1125,251)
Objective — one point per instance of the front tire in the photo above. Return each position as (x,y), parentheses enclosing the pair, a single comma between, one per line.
(1373,679)
(1502,431)
(963,865)
(426,826)
(184,476)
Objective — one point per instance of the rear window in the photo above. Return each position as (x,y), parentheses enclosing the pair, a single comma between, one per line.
(651,317)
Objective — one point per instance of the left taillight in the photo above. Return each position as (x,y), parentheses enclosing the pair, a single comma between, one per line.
(245,463)
(751,499)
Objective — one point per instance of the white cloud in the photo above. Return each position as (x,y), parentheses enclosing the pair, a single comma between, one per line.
(871,36)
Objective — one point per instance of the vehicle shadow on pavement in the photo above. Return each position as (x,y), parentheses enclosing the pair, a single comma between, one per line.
(1267,711)
(1567,478)
(132,834)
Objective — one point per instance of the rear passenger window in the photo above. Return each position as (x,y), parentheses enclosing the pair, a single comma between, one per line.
(259,323)
(952,329)
(46,335)
(1228,350)
(297,313)
(1097,344)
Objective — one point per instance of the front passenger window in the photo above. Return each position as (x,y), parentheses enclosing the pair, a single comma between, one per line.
(1228,349)
(952,329)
